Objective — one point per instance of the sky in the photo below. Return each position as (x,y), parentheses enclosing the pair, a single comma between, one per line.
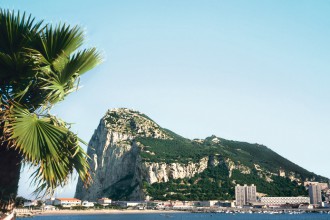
(254,71)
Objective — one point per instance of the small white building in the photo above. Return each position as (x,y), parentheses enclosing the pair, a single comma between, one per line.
(87,204)
(130,203)
(325,205)
(281,173)
(208,203)
(49,208)
(226,203)
(30,203)
(181,204)
(305,206)
(104,201)
(162,204)
(67,202)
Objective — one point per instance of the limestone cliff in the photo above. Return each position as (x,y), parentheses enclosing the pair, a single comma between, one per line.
(116,165)
(133,158)
(114,159)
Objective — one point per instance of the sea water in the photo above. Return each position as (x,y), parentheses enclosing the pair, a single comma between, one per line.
(186,216)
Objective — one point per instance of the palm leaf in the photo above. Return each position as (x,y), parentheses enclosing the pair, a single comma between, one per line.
(57,85)
(16,30)
(55,42)
(47,144)
(80,63)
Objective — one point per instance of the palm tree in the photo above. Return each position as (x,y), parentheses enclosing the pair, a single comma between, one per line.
(39,66)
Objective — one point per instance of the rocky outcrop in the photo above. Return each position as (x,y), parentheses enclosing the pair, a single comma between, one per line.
(116,165)
(133,123)
(237,166)
(163,172)
(114,157)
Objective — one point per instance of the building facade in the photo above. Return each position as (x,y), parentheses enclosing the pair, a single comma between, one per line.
(314,191)
(130,203)
(50,201)
(87,204)
(244,195)
(208,203)
(104,201)
(281,173)
(67,202)
(279,201)
(30,203)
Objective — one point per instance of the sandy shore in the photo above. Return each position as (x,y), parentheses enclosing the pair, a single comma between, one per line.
(111,211)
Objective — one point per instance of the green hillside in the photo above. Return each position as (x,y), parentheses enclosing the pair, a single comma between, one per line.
(215,182)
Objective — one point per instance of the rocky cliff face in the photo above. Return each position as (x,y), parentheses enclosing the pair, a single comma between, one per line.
(130,154)
(163,172)
(114,157)
(116,165)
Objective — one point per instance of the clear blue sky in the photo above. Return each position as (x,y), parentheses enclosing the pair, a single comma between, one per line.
(255,71)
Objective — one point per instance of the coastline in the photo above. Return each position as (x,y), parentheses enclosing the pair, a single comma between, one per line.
(100,212)
(148,211)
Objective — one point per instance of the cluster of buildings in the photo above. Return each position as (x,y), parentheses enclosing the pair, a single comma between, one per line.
(71,202)
(50,204)
(246,196)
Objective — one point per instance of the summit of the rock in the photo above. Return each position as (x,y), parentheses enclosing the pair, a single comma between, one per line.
(133,123)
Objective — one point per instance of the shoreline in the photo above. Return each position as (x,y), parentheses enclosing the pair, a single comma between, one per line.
(148,211)
(100,212)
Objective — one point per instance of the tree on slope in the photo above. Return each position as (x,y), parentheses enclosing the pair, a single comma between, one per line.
(39,66)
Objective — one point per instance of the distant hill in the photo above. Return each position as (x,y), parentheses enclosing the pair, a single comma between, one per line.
(133,158)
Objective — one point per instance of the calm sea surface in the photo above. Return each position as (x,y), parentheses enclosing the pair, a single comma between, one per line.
(185,216)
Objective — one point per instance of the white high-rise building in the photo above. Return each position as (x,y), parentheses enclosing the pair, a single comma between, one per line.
(244,195)
(314,191)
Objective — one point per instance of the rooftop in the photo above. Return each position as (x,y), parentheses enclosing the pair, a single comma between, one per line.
(68,199)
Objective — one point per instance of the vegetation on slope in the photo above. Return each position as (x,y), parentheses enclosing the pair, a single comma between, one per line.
(181,150)
(172,150)
(250,154)
(215,184)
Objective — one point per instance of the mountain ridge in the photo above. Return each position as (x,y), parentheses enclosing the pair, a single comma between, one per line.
(157,163)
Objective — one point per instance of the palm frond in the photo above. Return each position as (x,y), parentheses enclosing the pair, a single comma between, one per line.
(56,90)
(57,85)
(47,144)
(80,63)
(16,30)
(54,42)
